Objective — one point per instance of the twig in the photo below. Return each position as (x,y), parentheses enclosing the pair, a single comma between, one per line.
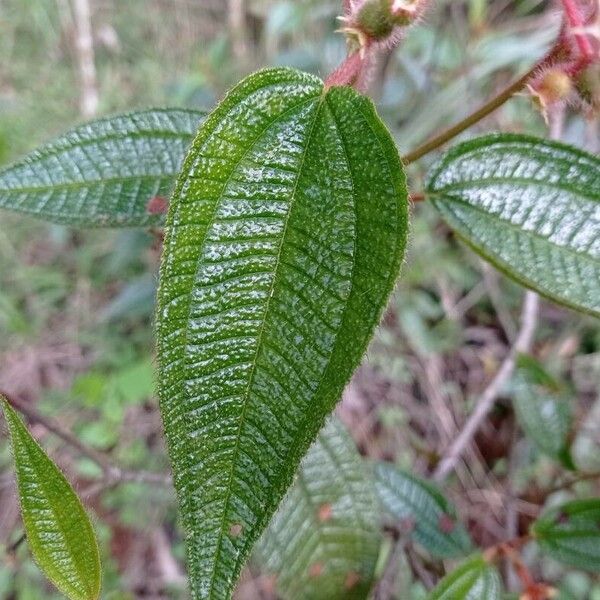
(488,398)
(112,474)
(237,29)
(84,44)
(488,108)
(575,480)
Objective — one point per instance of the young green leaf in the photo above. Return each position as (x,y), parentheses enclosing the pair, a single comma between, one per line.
(284,239)
(114,172)
(323,542)
(571,533)
(422,511)
(531,207)
(58,529)
(475,579)
(545,415)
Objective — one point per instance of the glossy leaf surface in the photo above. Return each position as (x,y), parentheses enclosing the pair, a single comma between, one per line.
(422,511)
(104,173)
(323,542)
(475,579)
(284,239)
(531,207)
(58,529)
(570,533)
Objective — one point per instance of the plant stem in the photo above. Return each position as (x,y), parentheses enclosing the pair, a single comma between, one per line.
(576,21)
(111,472)
(488,108)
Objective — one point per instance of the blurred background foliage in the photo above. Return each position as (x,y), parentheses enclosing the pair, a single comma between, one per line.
(76,306)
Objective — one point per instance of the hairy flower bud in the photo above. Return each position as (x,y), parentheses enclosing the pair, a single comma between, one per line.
(369,22)
(551,88)
(375,19)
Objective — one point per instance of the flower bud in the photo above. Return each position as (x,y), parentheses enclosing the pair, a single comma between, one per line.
(379,21)
(375,19)
(551,88)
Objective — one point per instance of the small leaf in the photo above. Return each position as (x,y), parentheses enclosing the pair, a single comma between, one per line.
(544,414)
(422,511)
(284,239)
(58,529)
(570,533)
(107,173)
(475,579)
(531,207)
(328,518)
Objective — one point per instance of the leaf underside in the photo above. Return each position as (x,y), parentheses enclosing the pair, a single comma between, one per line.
(103,173)
(422,511)
(284,238)
(323,542)
(570,533)
(531,207)
(58,529)
(473,580)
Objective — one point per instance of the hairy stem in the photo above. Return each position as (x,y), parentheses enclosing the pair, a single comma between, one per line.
(576,21)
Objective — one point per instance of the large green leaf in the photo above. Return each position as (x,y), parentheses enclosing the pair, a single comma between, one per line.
(104,173)
(531,207)
(323,542)
(570,533)
(422,511)
(475,579)
(58,529)
(284,238)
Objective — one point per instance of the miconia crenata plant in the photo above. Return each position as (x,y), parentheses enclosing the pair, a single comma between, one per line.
(285,212)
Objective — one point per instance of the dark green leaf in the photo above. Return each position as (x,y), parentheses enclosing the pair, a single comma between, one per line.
(475,579)
(422,511)
(571,533)
(103,173)
(284,239)
(58,529)
(323,542)
(531,207)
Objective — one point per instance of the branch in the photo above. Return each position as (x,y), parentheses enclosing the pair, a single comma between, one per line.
(488,398)
(84,45)
(488,108)
(112,474)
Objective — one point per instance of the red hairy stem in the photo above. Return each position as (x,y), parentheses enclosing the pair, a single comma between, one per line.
(576,20)
(348,73)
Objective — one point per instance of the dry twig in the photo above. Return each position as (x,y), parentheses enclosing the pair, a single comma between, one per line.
(488,398)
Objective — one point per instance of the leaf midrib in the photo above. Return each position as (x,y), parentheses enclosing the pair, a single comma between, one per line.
(55,149)
(468,183)
(449,198)
(74,563)
(86,183)
(259,343)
